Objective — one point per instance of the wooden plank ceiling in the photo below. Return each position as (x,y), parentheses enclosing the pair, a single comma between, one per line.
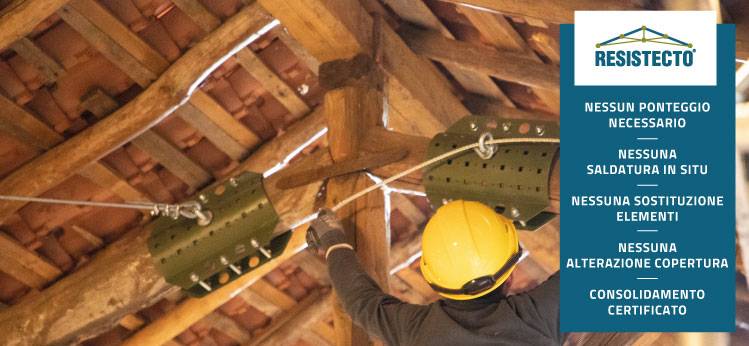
(99,102)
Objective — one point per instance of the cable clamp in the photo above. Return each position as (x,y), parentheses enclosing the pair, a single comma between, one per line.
(190,210)
(484,150)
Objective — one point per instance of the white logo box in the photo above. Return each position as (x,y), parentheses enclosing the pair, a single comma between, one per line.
(695,27)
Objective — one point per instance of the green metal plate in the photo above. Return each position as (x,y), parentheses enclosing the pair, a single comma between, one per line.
(241,213)
(277,246)
(515,181)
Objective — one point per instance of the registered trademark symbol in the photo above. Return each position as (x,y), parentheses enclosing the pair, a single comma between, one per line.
(694,50)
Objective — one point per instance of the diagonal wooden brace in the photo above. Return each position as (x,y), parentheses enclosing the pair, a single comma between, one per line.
(291,179)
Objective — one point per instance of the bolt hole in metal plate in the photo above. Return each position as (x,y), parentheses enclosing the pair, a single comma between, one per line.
(242,212)
(515,181)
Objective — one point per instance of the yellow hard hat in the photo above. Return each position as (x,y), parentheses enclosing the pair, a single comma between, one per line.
(468,250)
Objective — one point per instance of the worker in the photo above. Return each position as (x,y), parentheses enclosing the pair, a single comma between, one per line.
(469,253)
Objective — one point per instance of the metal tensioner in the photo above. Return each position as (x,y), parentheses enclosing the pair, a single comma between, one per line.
(233,235)
(190,210)
(512,178)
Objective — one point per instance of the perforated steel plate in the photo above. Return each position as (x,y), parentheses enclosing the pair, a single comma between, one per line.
(187,253)
(515,181)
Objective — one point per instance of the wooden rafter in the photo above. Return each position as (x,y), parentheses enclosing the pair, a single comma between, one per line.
(85,298)
(340,29)
(25,127)
(506,65)
(139,61)
(271,82)
(228,326)
(101,105)
(552,11)
(48,67)
(152,105)
(417,12)
(25,265)
(22,264)
(285,328)
(19,18)
(260,303)
(501,34)
(483,106)
(199,14)
(250,61)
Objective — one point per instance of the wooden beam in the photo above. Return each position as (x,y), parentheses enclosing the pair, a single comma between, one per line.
(418,12)
(212,131)
(352,110)
(274,295)
(249,60)
(408,209)
(108,46)
(194,309)
(199,14)
(291,205)
(89,237)
(173,159)
(20,17)
(505,65)
(742,126)
(149,59)
(31,53)
(484,106)
(301,53)
(116,41)
(25,127)
(379,139)
(9,130)
(742,191)
(131,322)
(272,83)
(98,295)
(311,337)
(324,330)
(313,266)
(224,120)
(552,11)
(38,135)
(287,328)
(259,302)
(739,13)
(24,265)
(340,29)
(150,106)
(101,105)
(401,251)
(228,326)
(503,36)
(595,339)
(271,153)
(547,46)
(692,5)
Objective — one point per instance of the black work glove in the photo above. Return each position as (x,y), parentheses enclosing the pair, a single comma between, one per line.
(325,231)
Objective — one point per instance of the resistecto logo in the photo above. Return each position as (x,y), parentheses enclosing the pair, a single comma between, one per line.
(644,48)
(673,52)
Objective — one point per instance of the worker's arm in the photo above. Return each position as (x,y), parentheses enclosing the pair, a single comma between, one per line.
(380,314)
(539,307)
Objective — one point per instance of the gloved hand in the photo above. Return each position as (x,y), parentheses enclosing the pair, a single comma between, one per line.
(325,231)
